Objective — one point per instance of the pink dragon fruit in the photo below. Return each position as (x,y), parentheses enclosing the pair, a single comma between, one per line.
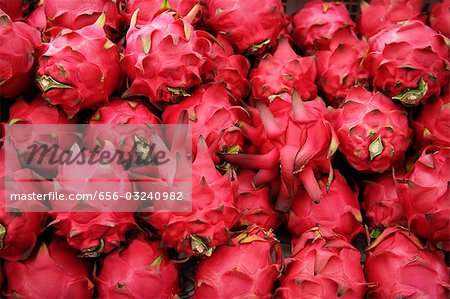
(140,270)
(247,268)
(380,14)
(251,27)
(293,136)
(432,123)
(255,204)
(211,113)
(278,75)
(53,271)
(373,131)
(323,265)
(381,203)
(408,62)
(338,210)
(149,9)
(16,9)
(21,45)
(419,272)
(172,54)
(341,67)
(78,14)
(424,193)
(37,111)
(317,22)
(213,213)
(80,69)
(440,17)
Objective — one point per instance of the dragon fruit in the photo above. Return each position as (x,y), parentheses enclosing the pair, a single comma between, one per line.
(211,113)
(380,14)
(80,69)
(432,123)
(293,136)
(17,10)
(172,54)
(317,22)
(419,272)
(213,213)
(37,111)
(78,14)
(381,203)
(323,265)
(53,271)
(373,131)
(424,193)
(408,62)
(255,204)
(21,45)
(247,268)
(149,9)
(139,270)
(251,27)
(341,67)
(338,210)
(440,17)
(278,75)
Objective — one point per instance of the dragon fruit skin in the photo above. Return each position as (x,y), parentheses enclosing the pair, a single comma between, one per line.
(419,272)
(16,9)
(373,131)
(21,45)
(316,23)
(323,265)
(211,113)
(424,193)
(440,17)
(213,212)
(80,69)
(249,26)
(432,123)
(37,111)
(140,270)
(247,268)
(278,74)
(381,203)
(149,9)
(338,210)
(408,62)
(380,14)
(341,67)
(37,276)
(255,204)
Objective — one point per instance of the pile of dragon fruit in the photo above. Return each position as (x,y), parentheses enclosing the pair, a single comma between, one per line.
(321,147)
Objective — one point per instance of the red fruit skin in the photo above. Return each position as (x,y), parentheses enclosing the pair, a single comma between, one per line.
(338,210)
(247,268)
(381,203)
(148,10)
(21,45)
(37,111)
(213,210)
(440,17)
(424,193)
(363,118)
(140,270)
(278,74)
(255,204)
(15,9)
(85,66)
(402,55)
(55,262)
(250,33)
(213,115)
(419,272)
(78,14)
(317,22)
(323,265)
(380,14)
(432,123)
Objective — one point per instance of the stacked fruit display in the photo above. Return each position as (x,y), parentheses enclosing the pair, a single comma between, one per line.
(321,147)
